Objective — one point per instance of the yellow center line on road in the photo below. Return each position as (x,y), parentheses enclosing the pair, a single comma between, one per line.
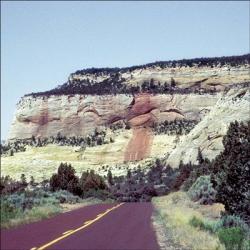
(87,222)
(70,232)
(99,215)
(67,232)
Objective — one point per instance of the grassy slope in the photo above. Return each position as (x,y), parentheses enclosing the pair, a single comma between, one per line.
(41,162)
(175,211)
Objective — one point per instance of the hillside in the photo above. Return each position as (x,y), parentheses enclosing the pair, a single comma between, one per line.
(182,76)
(130,135)
(166,109)
(208,134)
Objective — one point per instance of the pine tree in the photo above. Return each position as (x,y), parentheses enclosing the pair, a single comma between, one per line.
(129,175)
(232,171)
(110,178)
(32,181)
(23,180)
(172,82)
(200,158)
(11,152)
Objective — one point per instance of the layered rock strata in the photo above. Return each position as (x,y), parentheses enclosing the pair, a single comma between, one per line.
(75,115)
(208,134)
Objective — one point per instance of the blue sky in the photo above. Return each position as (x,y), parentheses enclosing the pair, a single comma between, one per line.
(43,42)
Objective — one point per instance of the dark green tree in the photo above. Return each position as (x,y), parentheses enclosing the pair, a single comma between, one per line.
(110,178)
(11,152)
(172,82)
(232,171)
(200,158)
(32,181)
(65,179)
(94,181)
(83,178)
(129,174)
(23,180)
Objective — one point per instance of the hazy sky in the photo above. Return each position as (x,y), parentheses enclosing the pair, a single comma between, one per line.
(43,42)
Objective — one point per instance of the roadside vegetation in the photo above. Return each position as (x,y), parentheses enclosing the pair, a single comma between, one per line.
(32,205)
(23,202)
(191,214)
(176,210)
(228,173)
(204,203)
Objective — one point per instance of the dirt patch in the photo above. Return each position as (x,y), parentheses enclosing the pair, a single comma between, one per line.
(139,146)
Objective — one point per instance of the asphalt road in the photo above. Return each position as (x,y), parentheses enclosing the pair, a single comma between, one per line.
(98,227)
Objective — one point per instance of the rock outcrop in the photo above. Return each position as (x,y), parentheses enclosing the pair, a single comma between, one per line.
(71,115)
(208,134)
(195,77)
(75,115)
(141,96)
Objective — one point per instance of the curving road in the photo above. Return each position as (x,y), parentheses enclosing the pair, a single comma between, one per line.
(97,227)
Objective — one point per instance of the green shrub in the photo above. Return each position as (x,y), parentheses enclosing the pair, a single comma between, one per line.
(202,191)
(9,186)
(196,222)
(41,212)
(246,244)
(27,200)
(18,217)
(203,168)
(64,196)
(209,226)
(232,237)
(8,211)
(32,205)
(228,221)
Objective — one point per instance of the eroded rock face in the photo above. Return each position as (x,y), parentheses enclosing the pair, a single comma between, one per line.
(195,87)
(139,146)
(207,77)
(70,115)
(208,134)
(74,115)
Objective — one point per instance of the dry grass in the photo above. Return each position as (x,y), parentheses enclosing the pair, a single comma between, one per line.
(163,144)
(38,213)
(32,215)
(42,162)
(176,210)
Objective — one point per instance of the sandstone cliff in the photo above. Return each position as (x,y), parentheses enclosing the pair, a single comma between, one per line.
(207,77)
(139,97)
(73,115)
(208,134)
